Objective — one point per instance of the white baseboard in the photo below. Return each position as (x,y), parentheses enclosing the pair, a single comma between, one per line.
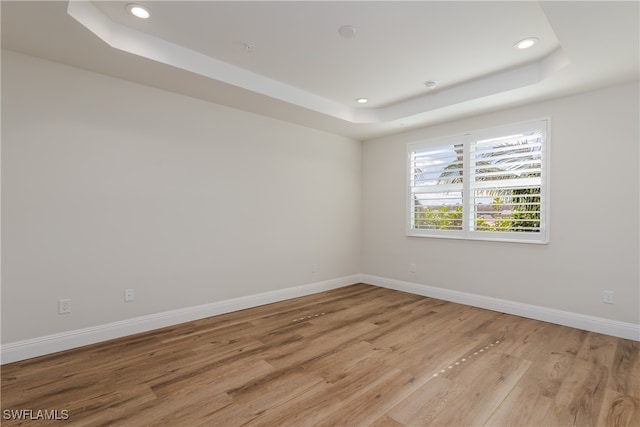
(575,320)
(40,346)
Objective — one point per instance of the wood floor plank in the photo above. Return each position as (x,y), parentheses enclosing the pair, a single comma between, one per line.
(619,410)
(312,409)
(581,394)
(216,378)
(427,403)
(625,368)
(386,421)
(466,394)
(250,402)
(546,376)
(370,403)
(353,356)
(523,406)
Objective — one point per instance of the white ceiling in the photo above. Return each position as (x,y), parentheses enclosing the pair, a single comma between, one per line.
(287,60)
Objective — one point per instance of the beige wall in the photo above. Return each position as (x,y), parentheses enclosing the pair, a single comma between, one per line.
(108,185)
(594,216)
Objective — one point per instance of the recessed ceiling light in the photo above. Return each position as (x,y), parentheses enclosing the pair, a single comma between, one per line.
(362,100)
(138,11)
(347,31)
(526,43)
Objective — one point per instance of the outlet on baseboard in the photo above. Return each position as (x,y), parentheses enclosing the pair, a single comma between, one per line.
(64,306)
(608,297)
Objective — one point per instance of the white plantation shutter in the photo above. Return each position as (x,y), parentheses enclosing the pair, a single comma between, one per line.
(436,187)
(489,185)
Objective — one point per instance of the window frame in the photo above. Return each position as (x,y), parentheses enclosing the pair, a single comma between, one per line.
(468,203)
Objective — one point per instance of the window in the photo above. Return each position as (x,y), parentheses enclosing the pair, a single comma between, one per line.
(486,185)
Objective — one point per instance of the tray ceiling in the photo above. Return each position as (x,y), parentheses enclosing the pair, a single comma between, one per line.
(288,60)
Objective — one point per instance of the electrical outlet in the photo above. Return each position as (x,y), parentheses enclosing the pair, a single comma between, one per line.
(608,297)
(412,268)
(64,306)
(129,295)
(314,268)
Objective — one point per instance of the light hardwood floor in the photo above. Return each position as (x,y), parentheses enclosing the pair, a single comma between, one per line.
(355,356)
